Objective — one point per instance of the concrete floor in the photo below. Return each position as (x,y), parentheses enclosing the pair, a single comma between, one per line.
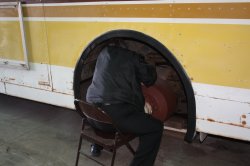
(36,134)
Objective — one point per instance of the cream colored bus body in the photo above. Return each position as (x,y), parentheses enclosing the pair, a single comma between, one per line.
(213,48)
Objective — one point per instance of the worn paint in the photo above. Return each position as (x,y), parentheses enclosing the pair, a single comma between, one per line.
(43,83)
(238,125)
(211,120)
(36,77)
(221,129)
(245,119)
(244,123)
(45,96)
(221,110)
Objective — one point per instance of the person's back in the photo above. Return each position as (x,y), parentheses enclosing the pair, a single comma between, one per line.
(118,77)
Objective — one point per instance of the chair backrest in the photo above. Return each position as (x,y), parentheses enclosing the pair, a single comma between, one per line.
(92,112)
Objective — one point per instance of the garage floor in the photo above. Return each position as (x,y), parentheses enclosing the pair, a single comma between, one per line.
(35,134)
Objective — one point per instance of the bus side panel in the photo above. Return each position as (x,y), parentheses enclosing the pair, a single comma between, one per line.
(38,76)
(221,106)
(225,115)
(10,41)
(59,99)
(215,55)
(66,42)
(62,78)
(221,129)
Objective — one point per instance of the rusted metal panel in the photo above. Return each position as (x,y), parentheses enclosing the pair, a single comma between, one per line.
(222,129)
(37,77)
(245,120)
(223,111)
(39,95)
(43,83)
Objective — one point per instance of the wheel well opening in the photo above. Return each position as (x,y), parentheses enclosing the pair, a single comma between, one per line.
(168,69)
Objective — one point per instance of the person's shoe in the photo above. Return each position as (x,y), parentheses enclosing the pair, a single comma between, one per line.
(95,150)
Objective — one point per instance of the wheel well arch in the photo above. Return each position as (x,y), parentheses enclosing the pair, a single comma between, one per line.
(165,53)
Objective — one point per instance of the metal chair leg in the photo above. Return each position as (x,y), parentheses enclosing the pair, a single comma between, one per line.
(130,148)
(114,149)
(113,157)
(80,143)
(78,151)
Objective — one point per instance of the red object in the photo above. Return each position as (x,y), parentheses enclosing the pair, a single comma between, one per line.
(161,99)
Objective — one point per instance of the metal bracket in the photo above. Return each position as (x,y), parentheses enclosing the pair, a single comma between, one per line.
(203,136)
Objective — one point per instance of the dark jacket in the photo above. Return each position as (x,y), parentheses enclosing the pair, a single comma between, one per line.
(118,76)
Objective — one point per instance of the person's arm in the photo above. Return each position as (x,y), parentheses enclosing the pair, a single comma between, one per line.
(145,73)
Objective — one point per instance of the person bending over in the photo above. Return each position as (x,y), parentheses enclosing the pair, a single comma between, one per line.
(116,88)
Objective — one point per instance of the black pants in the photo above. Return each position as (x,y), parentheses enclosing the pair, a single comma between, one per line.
(148,129)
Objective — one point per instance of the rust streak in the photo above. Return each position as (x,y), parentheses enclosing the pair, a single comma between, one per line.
(243,116)
(233,124)
(210,120)
(64,93)
(238,125)
(43,83)
(12,79)
(244,122)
